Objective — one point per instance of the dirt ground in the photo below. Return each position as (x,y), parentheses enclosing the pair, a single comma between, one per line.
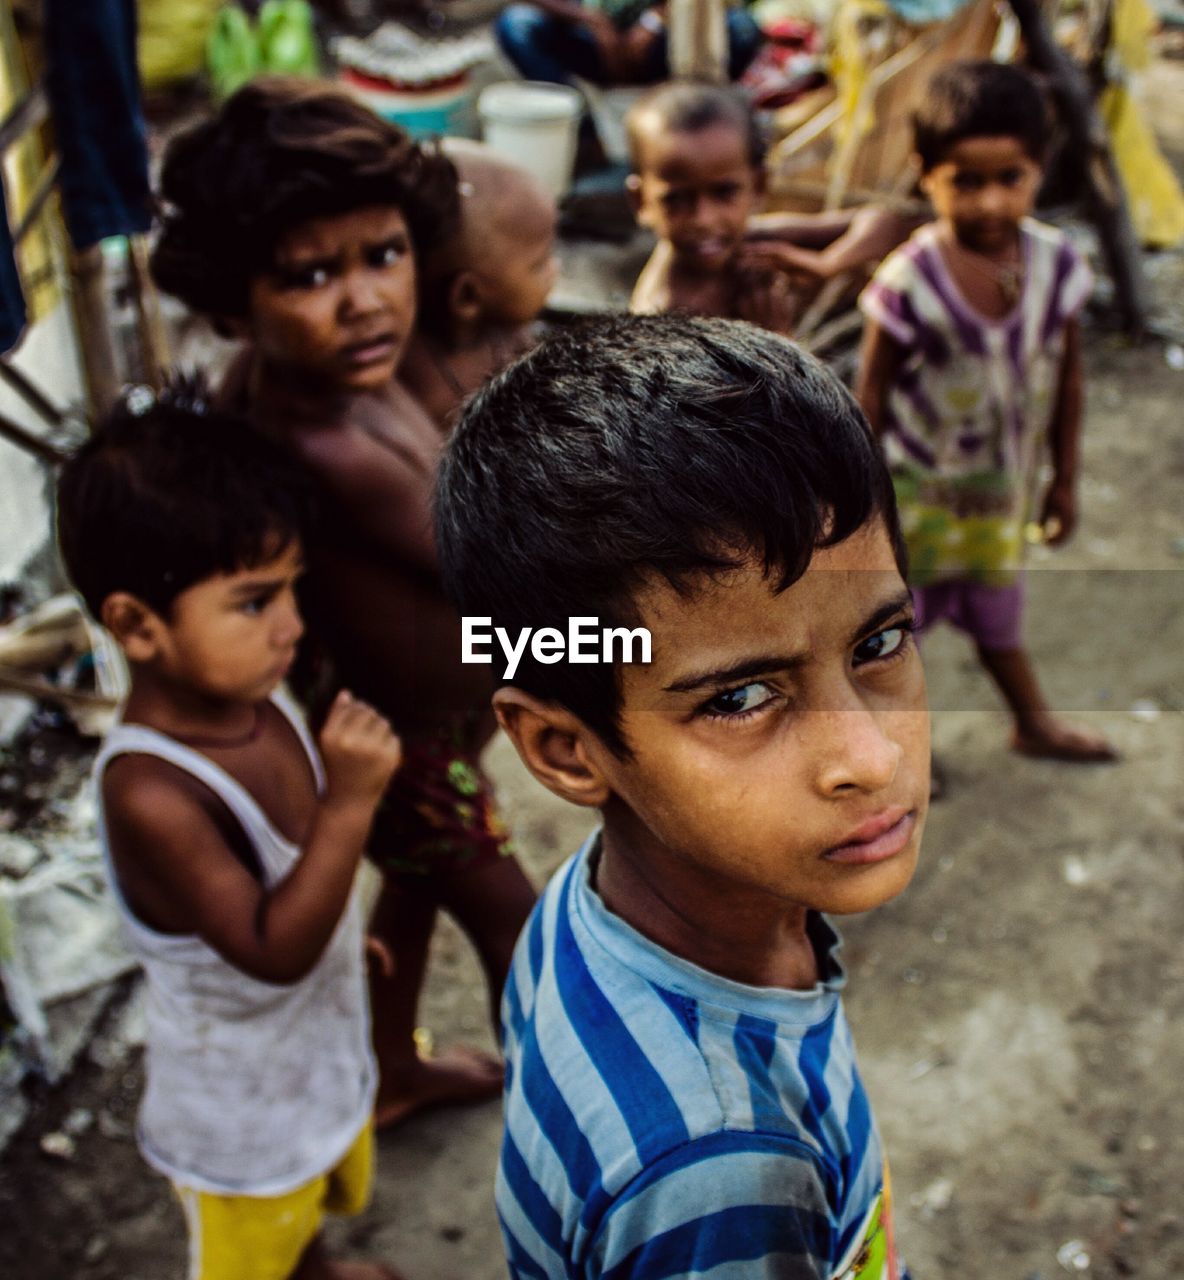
(1018,1010)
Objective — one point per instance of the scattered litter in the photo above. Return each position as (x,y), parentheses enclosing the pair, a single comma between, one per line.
(79,1121)
(1173,356)
(934,1199)
(945,862)
(1073,1256)
(1146,1142)
(922,1067)
(1178,546)
(1145,710)
(397,56)
(18,856)
(914,977)
(939,935)
(58,1145)
(96,1248)
(112,1128)
(1075,871)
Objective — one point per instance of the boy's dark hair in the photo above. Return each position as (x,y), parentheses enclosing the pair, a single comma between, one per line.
(687,107)
(169,492)
(645,448)
(980,100)
(279,152)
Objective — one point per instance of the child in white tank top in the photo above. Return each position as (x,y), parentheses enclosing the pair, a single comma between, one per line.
(231,841)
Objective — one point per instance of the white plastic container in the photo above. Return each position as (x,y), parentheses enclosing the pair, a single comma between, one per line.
(536,126)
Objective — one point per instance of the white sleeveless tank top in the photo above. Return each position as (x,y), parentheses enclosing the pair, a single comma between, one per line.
(252,1088)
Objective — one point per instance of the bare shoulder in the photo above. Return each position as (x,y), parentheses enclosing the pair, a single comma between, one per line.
(146,797)
(375,436)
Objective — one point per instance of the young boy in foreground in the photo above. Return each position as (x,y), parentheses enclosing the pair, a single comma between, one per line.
(295,217)
(971,368)
(482,288)
(697,182)
(682,1094)
(231,840)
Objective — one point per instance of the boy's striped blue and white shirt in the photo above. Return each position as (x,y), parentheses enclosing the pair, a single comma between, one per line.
(662,1121)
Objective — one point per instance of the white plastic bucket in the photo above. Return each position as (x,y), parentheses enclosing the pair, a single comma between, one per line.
(535,125)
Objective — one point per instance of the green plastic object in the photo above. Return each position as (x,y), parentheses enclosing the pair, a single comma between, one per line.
(282,42)
(287,41)
(232,51)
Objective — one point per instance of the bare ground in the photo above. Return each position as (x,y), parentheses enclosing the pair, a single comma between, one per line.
(1018,1010)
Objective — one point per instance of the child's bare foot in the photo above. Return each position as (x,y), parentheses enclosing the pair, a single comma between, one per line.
(457,1077)
(1055,740)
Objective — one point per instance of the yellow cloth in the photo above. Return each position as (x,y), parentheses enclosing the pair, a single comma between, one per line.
(1156,201)
(263,1237)
(172,39)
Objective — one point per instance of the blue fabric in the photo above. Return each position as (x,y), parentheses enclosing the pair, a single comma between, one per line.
(662,1121)
(12,301)
(94,93)
(543,47)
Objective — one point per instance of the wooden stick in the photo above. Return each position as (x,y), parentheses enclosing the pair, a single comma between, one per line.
(154,346)
(94,329)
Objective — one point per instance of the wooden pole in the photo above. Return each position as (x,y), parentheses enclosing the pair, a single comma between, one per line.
(1105,198)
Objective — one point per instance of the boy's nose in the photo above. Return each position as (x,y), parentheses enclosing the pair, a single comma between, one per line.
(361,294)
(855,751)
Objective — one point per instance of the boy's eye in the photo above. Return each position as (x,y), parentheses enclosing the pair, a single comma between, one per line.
(1011,177)
(888,643)
(678,201)
(386,255)
(310,277)
(739,702)
(968,181)
(726,191)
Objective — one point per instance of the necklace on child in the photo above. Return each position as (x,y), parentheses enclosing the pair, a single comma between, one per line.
(1008,277)
(227,744)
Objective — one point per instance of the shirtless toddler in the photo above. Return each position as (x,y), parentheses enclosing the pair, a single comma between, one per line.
(481,287)
(697,182)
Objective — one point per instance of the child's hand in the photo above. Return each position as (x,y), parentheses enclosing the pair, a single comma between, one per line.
(790,258)
(360,751)
(1059,515)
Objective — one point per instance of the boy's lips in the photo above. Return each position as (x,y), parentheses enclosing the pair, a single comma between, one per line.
(370,350)
(878,839)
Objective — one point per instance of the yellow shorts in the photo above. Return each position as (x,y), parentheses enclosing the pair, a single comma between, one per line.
(263,1237)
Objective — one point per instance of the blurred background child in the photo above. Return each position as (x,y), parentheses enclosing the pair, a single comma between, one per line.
(482,286)
(697,183)
(971,369)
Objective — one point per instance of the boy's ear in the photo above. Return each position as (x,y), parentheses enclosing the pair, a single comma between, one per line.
(465,302)
(133,624)
(553,745)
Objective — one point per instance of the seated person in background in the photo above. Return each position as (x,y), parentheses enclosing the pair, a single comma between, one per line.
(294,217)
(605,41)
(232,840)
(482,286)
(683,1098)
(698,177)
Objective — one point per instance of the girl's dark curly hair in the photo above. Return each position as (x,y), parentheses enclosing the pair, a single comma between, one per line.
(279,152)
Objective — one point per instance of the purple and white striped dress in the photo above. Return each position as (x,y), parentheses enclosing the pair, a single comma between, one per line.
(967,419)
